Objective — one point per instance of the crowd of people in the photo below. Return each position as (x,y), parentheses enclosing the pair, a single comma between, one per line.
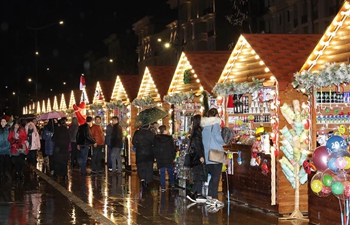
(58,143)
(154,144)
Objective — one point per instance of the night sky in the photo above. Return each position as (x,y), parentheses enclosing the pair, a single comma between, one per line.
(86,24)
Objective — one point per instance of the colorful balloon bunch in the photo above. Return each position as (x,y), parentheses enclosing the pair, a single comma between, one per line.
(333,163)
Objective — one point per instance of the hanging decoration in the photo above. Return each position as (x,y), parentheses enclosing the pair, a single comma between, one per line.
(295,146)
(181,97)
(143,102)
(333,74)
(231,88)
(187,76)
(96,106)
(115,105)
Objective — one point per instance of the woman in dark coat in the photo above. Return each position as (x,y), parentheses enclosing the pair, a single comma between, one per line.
(61,138)
(199,172)
(143,140)
(164,152)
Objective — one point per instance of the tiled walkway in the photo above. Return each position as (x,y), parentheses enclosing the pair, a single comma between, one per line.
(112,199)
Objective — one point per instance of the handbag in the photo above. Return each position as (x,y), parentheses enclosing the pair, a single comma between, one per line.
(215,155)
(191,156)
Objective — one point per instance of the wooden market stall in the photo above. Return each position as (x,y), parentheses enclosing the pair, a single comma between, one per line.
(154,86)
(324,77)
(255,81)
(193,80)
(125,89)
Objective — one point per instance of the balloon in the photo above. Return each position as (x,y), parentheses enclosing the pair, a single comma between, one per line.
(337,188)
(327,180)
(347,159)
(340,162)
(331,164)
(336,143)
(341,185)
(319,158)
(316,186)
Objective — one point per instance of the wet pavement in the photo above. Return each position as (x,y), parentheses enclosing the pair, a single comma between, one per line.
(113,199)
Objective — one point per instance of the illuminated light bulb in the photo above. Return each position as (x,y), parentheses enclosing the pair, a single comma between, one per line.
(192,71)
(252,52)
(235,58)
(261,63)
(273,78)
(257,57)
(195,75)
(331,33)
(197,80)
(170,121)
(267,70)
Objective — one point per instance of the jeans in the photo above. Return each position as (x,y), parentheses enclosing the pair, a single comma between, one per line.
(170,175)
(115,156)
(84,151)
(96,158)
(215,171)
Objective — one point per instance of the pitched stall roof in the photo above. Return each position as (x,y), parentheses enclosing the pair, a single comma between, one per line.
(103,89)
(107,88)
(205,67)
(334,45)
(265,55)
(131,84)
(162,76)
(63,102)
(119,92)
(155,81)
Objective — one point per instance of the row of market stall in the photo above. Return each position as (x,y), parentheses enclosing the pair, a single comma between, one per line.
(270,89)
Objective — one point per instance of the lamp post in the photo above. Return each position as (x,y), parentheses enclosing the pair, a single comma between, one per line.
(36,29)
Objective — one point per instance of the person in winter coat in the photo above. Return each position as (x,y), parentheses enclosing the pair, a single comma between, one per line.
(98,135)
(84,141)
(33,144)
(47,134)
(61,138)
(74,154)
(5,147)
(198,170)
(17,138)
(143,140)
(164,152)
(116,144)
(212,139)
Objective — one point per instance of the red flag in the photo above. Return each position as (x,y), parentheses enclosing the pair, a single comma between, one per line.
(82,82)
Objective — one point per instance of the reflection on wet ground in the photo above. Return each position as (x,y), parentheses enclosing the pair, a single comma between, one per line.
(113,199)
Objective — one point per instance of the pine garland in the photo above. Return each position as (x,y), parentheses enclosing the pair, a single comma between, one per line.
(187,76)
(231,88)
(178,98)
(333,74)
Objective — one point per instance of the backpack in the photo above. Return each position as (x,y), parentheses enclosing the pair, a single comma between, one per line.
(227,134)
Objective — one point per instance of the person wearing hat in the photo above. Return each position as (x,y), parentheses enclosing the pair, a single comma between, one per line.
(4,150)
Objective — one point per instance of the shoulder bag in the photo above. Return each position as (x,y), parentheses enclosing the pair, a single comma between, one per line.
(190,156)
(215,155)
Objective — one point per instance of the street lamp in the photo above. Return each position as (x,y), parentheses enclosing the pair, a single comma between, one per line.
(37,52)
